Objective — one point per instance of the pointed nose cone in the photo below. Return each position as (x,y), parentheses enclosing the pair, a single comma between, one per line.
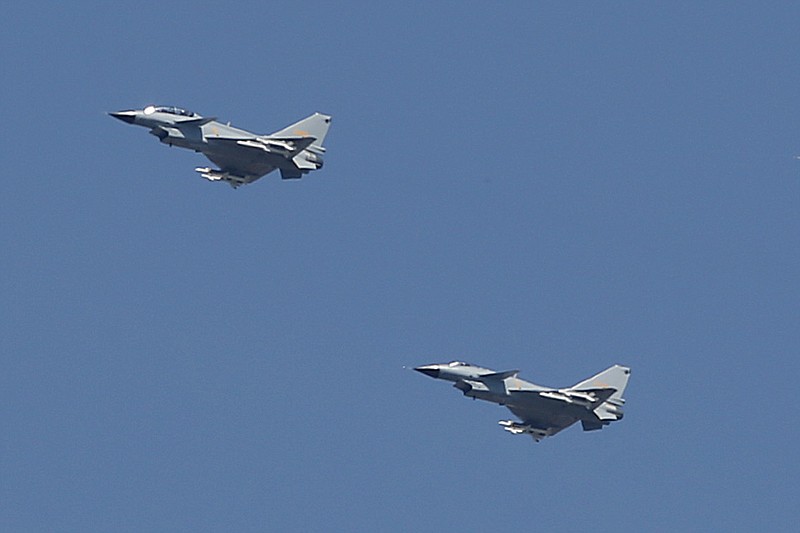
(125,116)
(429,370)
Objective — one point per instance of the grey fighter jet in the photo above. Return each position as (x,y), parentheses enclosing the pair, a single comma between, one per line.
(242,156)
(543,411)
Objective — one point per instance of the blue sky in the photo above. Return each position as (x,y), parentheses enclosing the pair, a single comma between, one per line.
(550,187)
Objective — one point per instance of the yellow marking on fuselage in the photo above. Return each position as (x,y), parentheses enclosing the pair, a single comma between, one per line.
(301,133)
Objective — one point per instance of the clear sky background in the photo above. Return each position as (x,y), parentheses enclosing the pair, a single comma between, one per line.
(551,187)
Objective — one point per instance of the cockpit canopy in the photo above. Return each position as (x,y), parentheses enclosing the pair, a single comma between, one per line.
(169,110)
(454,364)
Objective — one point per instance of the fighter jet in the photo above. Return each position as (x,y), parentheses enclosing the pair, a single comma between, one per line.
(243,157)
(543,411)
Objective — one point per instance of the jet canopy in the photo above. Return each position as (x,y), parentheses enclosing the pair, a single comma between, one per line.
(171,110)
(454,364)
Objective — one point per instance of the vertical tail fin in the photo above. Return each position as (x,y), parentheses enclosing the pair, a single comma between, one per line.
(615,377)
(314,126)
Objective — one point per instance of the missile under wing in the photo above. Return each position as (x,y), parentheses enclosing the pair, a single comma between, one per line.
(543,411)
